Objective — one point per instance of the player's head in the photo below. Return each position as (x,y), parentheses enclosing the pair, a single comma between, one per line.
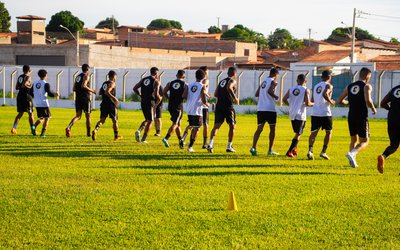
(112,75)
(232,72)
(42,74)
(205,69)
(154,71)
(326,75)
(274,72)
(26,69)
(200,74)
(180,74)
(85,68)
(301,79)
(365,74)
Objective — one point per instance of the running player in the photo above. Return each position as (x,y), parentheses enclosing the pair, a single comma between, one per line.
(158,114)
(41,89)
(359,99)
(24,99)
(225,94)
(82,99)
(321,115)
(266,111)
(175,106)
(108,106)
(195,94)
(298,98)
(150,98)
(391,102)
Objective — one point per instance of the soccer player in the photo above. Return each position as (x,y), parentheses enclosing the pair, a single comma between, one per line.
(175,106)
(391,102)
(82,99)
(41,89)
(108,106)
(158,114)
(195,94)
(150,98)
(298,98)
(321,114)
(359,99)
(225,93)
(24,99)
(266,111)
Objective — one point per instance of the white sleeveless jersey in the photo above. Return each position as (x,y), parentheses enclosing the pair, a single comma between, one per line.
(194,104)
(321,106)
(40,95)
(297,108)
(265,101)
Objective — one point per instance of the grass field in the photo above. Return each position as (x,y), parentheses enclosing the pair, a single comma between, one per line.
(67,193)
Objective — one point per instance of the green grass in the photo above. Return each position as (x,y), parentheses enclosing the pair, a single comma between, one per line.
(75,193)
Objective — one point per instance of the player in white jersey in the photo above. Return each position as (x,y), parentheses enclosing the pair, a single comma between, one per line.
(321,117)
(195,94)
(41,89)
(266,111)
(298,98)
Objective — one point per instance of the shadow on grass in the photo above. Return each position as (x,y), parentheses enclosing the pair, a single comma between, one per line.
(242,173)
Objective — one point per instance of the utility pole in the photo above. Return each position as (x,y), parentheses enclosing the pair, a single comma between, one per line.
(353,37)
(77,48)
(309,37)
(218,21)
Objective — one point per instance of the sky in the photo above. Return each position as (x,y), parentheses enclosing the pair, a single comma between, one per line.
(298,17)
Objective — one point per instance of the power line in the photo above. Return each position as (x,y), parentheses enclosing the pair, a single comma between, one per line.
(378,15)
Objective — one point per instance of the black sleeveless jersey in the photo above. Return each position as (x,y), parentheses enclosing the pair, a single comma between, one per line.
(176,89)
(22,91)
(357,105)
(394,111)
(225,100)
(147,89)
(81,93)
(106,101)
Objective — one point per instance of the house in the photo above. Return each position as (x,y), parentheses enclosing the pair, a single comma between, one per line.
(391,62)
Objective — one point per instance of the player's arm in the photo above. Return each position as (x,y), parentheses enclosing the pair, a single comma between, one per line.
(368,99)
(85,81)
(156,92)
(286,98)
(271,90)
(307,100)
(28,82)
(258,91)
(203,96)
(166,89)
(232,87)
(342,98)
(185,92)
(136,88)
(327,93)
(111,96)
(48,90)
(386,101)
(206,83)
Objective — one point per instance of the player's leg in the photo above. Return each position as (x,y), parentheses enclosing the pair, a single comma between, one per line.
(195,122)
(272,132)
(16,120)
(327,140)
(315,127)
(205,127)
(77,117)
(31,122)
(147,129)
(257,134)
(114,118)
(88,123)
(45,125)
(298,127)
(231,120)
(186,132)
(394,136)
(104,113)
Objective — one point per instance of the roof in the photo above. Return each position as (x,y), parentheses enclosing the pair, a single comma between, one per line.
(95,30)
(328,56)
(275,52)
(8,34)
(130,27)
(387,58)
(390,62)
(31,17)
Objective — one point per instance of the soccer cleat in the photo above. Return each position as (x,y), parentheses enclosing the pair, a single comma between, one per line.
(290,154)
(13,131)
(294,151)
(94,135)
(205,146)
(181,144)
(230,150)
(165,141)
(118,138)
(43,136)
(272,153)
(33,130)
(210,149)
(137,136)
(144,142)
(324,155)
(352,160)
(157,134)
(253,152)
(381,163)
(190,150)
(310,155)
(68,132)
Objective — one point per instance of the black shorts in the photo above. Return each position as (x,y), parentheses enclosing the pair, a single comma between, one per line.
(394,131)
(148,111)
(205,116)
(358,126)
(43,112)
(83,105)
(24,104)
(321,122)
(195,121)
(266,116)
(109,111)
(158,111)
(298,126)
(229,115)
(176,115)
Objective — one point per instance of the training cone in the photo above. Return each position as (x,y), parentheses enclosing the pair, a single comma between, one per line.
(232,202)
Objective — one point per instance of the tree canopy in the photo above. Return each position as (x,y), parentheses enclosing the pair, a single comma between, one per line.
(108,23)
(160,24)
(283,39)
(241,33)
(394,40)
(214,30)
(5,19)
(344,34)
(67,19)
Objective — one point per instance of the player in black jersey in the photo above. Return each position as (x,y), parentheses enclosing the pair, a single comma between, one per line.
(82,99)
(24,99)
(108,106)
(175,106)
(225,94)
(391,102)
(359,99)
(150,98)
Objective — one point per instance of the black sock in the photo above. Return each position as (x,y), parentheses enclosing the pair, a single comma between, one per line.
(88,131)
(204,140)
(43,132)
(324,149)
(191,143)
(167,136)
(98,125)
(389,150)
(179,137)
(294,144)
(158,131)
(144,137)
(116,134)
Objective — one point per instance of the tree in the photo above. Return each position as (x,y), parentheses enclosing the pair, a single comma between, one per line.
(5,19)
(160,24)
(241,33)
(283,39)
(344,34)
(108,23)
(394,40)
(214,30)
(66,19)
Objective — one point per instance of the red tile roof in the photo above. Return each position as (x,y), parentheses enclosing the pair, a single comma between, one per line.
(329,56)
(387,58)
(8,34)
(391,62)
(31,17)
